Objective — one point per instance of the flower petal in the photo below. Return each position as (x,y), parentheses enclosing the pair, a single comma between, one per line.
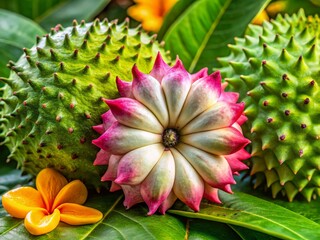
(99,128)
(132,113)
(170,200)
(136,165)
(132,195)
(102,158)
(49,182)
(242,119)
(18,202)
(114,187)
(202,95)
(147,90)
(160,68)
(176,85)
(73,192)
(124,88)
(235,159)
(39,222)
(222,141)
(188,185)
(214,169)
(75,214)
(231,97)
(211,194)
(108,119)
(219,115)
(111,173)
(158,184)
(119,139)
(198,75)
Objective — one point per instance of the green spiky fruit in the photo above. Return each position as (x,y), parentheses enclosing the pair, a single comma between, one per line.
(276,69)
(53,95)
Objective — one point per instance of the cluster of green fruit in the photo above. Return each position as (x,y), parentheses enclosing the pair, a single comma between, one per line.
(53,98)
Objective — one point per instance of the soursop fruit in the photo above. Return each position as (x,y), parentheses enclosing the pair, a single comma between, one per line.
(54,93)
(275,67)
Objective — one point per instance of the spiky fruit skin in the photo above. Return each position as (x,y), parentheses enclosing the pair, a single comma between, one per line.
(53,96)
(276,69)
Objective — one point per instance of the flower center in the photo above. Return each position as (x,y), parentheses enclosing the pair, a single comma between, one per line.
(170,137)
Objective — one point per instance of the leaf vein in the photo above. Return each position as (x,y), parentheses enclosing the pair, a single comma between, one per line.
(103,218)
(207,36)
(132,219)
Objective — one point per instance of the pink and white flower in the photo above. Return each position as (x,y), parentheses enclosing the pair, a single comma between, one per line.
(172,135)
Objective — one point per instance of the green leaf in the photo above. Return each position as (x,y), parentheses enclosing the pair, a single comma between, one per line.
(171,16)
(309,210)
(117,223)
(49,13)
(201,32)
(29,8)
(202,229)
(66,12)
(10,177)
(248,234)
(253,213)
(16,32)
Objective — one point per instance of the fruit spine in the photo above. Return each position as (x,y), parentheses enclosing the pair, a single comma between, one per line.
(53,95)
(276,69)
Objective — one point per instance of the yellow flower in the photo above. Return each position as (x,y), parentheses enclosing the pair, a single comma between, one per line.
(150,13)
(271,10)
(55,200)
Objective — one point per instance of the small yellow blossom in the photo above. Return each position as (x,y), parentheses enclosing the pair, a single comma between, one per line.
(271,10)
(54,200)
(150,13)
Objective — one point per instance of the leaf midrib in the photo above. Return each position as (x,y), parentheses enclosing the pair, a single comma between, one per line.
(51,10)
(207,36)
(239,223)
(13,227)
(103,218)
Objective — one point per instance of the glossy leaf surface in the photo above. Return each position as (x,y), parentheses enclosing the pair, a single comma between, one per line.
(202,29)
(16,32)
(257,214)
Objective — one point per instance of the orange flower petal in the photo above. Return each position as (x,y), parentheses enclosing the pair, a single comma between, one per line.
(141,13)
(39,222)
(18,202)
(168,4)
(73,192)
(49,182)
(75,214)
(153,24)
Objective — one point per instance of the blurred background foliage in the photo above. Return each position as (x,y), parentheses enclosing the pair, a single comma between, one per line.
(46,14)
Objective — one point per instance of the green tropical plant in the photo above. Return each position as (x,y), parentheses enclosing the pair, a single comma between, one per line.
(199,32)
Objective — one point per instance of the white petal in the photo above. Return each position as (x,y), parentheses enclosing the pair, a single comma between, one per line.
(133,114)
(223,141)
(119,139)
(147,90)
(135,166)
(188,185)
(132,195)
(203,94)
(158,184)
(176,85)
(214,169)
(219,115)
(111,172)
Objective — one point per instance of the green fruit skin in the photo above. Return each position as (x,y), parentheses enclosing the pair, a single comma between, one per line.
(54,94)
(276,70)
